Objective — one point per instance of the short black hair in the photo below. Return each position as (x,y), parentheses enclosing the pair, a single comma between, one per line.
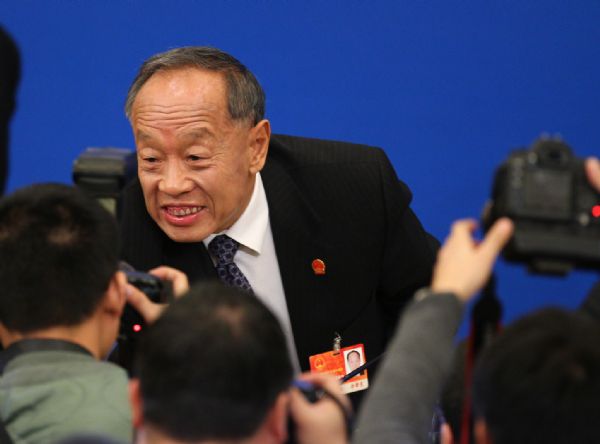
(245,96)
(212,365)
(539,381)
(59,251)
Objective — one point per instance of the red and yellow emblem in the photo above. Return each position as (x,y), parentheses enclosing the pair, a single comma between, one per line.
(318,267)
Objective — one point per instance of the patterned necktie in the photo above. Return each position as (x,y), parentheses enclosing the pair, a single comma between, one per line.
(223,248)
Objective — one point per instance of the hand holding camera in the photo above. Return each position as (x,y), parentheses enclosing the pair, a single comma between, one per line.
(150,303)
(147,296)
(553,199)
(592,170)
(320,412)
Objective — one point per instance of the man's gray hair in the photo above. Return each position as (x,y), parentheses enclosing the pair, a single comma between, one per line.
(245,96)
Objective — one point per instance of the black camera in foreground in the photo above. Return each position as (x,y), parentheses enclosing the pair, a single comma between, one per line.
(157,290)
(132,323)
(103,172)
(556,212)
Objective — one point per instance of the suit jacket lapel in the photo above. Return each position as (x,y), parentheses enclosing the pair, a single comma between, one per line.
(297,234)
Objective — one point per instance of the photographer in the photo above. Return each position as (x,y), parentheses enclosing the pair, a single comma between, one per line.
(400,405)
(60,305)
(215,367)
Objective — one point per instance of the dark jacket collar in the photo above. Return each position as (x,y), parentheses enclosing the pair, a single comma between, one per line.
(36,345)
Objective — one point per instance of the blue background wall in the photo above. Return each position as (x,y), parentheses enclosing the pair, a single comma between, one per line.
(447,88)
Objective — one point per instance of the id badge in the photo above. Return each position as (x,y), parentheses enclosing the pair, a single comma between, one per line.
(340,363)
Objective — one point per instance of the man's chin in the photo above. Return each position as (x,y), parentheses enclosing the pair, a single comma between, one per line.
(185,234)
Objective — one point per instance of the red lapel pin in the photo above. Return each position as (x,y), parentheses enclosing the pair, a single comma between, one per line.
(318,267)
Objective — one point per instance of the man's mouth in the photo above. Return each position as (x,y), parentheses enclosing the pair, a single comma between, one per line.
(182,211)
(182,215)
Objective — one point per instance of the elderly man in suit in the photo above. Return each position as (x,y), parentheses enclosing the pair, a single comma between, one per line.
(321,231)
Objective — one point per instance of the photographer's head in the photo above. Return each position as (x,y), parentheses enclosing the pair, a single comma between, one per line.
(538,382)
(214,366)
(59,255)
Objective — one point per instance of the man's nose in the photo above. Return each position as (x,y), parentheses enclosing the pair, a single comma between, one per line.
(175,180)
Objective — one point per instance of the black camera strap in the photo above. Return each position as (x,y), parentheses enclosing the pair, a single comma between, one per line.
(486,321)
(35,345)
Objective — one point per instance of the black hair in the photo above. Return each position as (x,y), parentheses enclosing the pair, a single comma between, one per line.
(539,381)
(59,251)
(213,365)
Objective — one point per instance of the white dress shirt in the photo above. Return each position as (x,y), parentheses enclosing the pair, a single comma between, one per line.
(256,258)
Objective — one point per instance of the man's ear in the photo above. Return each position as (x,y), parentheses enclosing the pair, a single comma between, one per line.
(258,143)
(481,432)
(136,402)
(276,421)
(7,336)
(114,298)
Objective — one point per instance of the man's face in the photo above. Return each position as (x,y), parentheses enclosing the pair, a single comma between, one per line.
(353,360)
(196,165)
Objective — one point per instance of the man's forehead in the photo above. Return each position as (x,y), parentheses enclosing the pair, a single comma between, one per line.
(191,132)
(184,85)
(180,99)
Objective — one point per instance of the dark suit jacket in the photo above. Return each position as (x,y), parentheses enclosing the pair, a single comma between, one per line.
(334,201)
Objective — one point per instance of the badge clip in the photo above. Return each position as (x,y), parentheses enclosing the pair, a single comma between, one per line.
(337,343)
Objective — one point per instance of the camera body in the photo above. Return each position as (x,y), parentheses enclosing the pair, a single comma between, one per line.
(103,172)
(132,323)
(545,191)
(157,290)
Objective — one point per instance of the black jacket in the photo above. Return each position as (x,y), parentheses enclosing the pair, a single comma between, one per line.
(335,201)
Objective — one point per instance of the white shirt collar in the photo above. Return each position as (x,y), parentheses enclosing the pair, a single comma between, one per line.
(250,229)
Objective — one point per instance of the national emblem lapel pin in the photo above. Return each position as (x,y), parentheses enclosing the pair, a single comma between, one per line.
(318,267)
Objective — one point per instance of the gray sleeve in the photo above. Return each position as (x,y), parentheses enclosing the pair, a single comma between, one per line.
(399,406)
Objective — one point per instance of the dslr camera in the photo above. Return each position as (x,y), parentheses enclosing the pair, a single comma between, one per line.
(556,212)
(155,289)
(132,323)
